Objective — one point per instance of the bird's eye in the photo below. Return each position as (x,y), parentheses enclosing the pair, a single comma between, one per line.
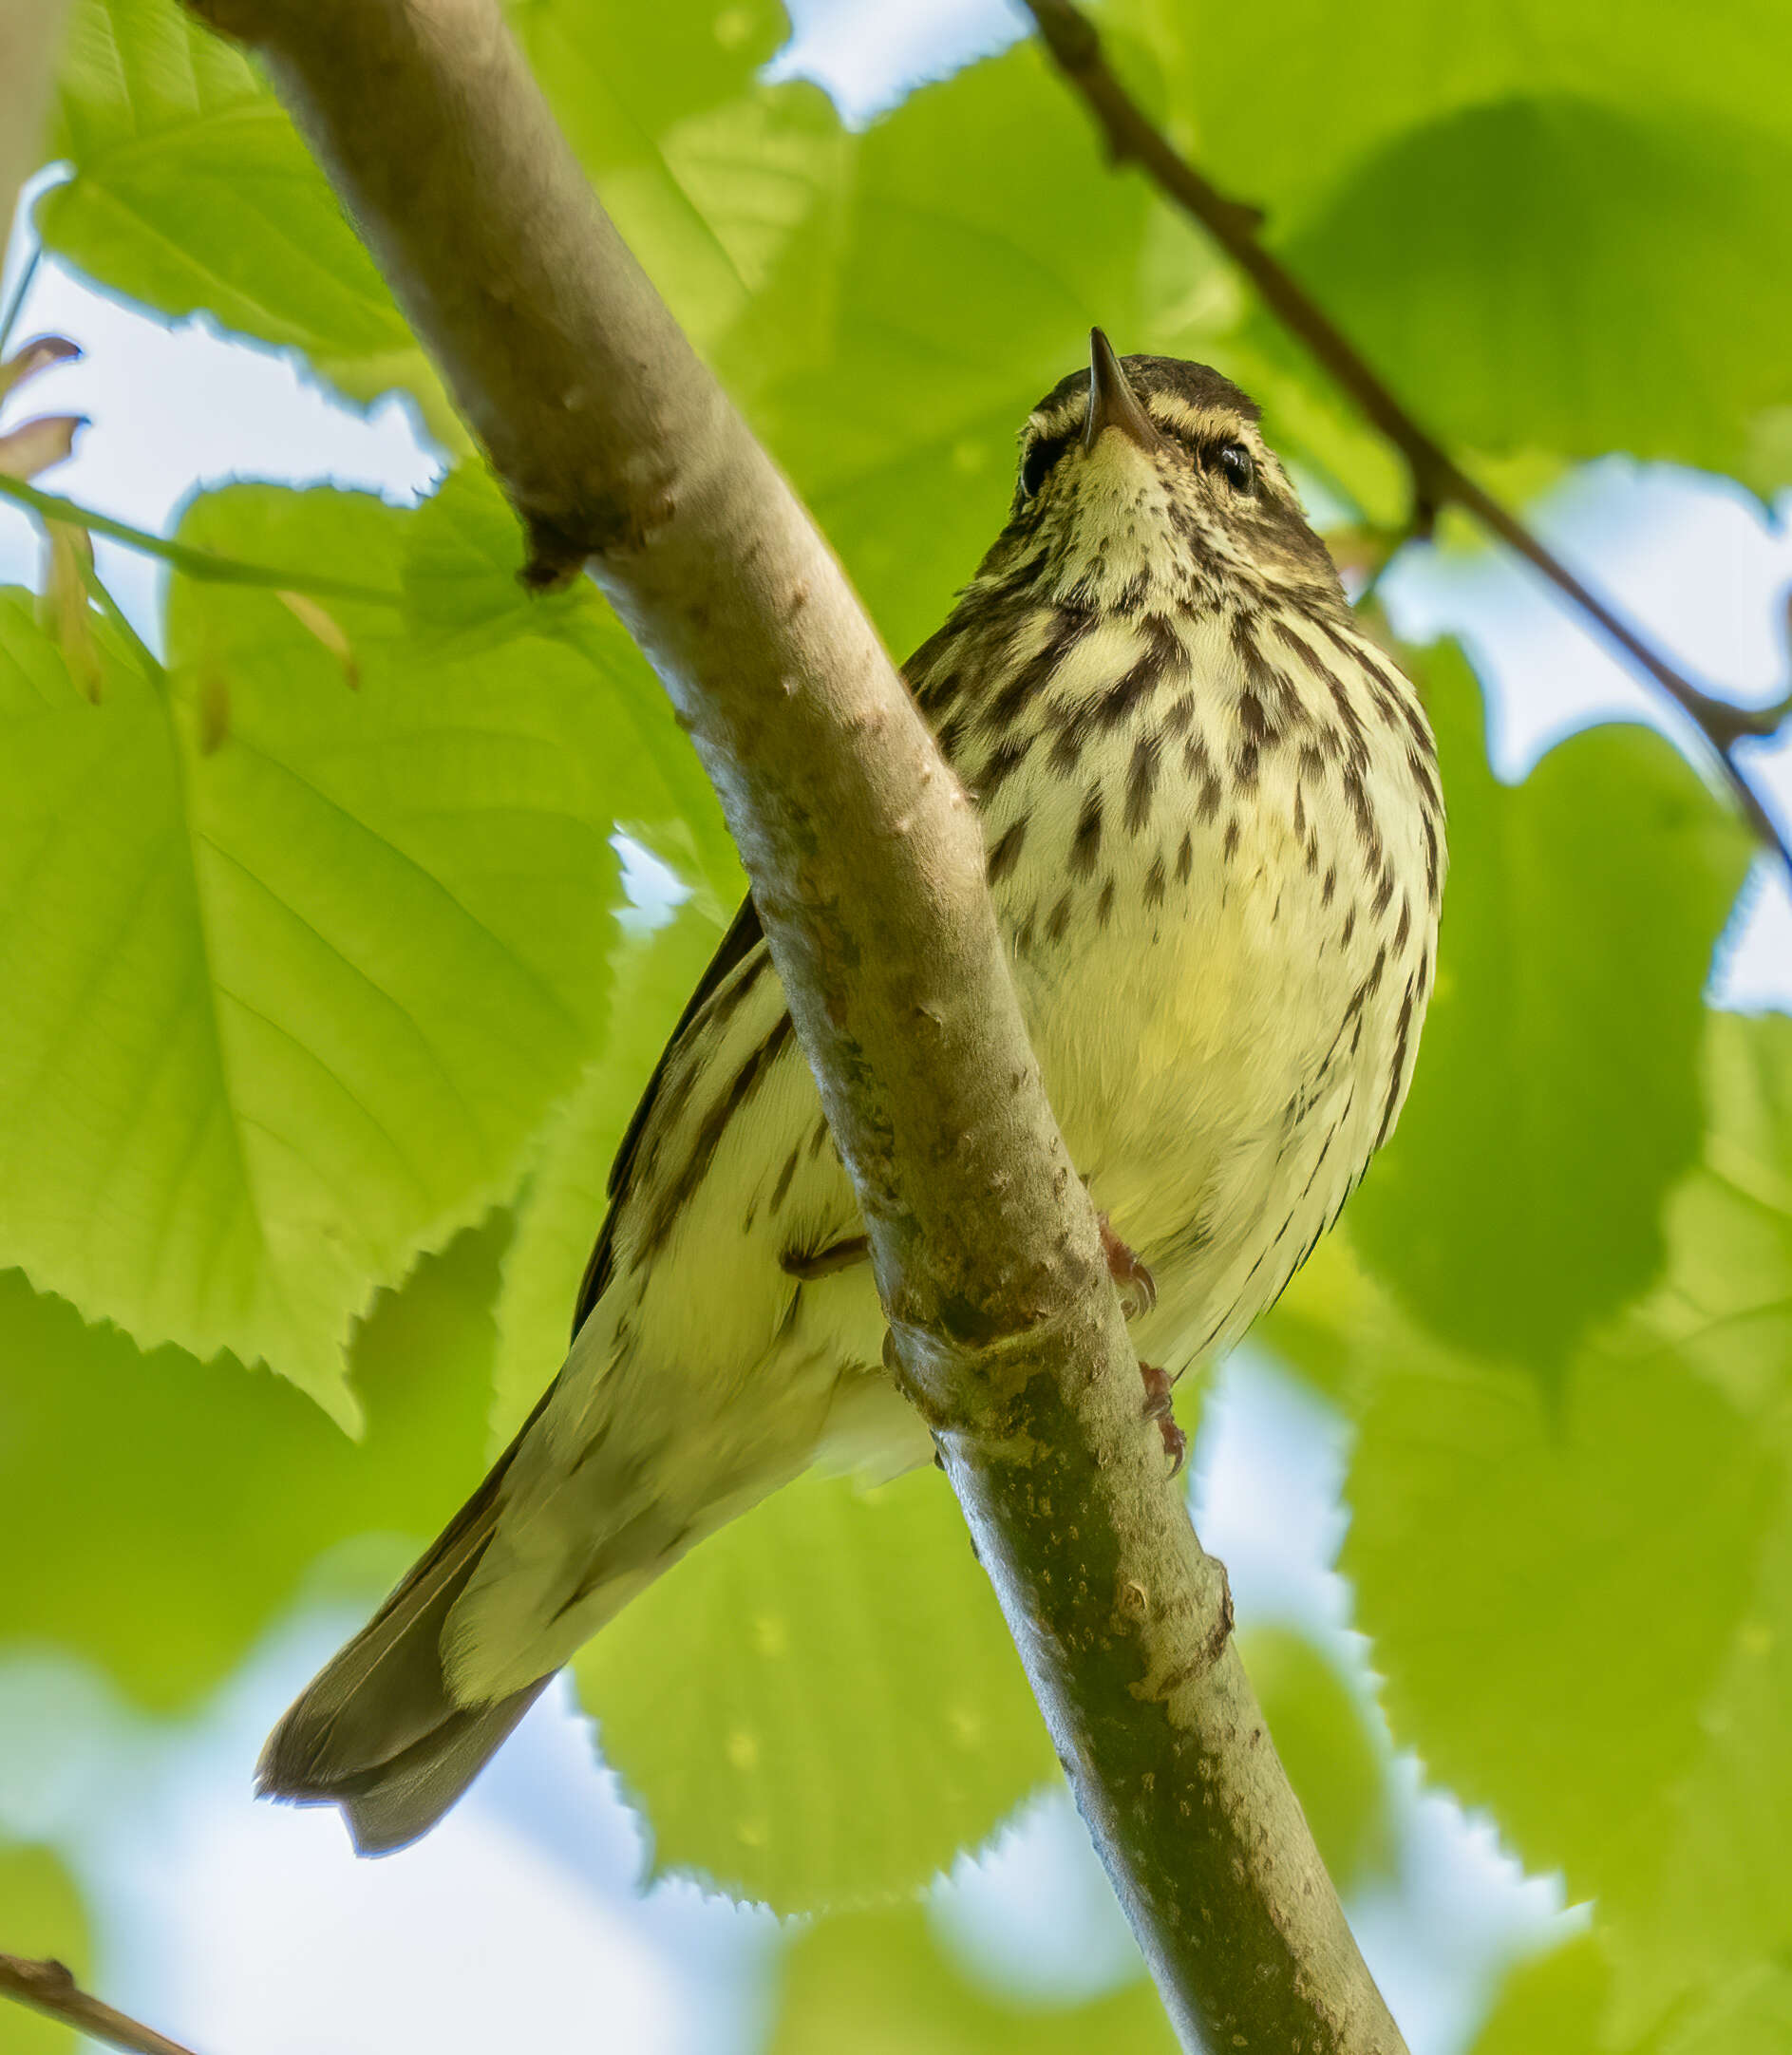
(1235,462)
(1037,463)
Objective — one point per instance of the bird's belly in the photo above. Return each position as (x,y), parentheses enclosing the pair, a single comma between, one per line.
(1196,1045)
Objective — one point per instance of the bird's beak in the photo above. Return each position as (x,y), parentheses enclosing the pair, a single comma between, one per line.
(1113,404)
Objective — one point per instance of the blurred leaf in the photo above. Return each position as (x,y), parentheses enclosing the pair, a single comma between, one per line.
(1553,1590)
(136,1464)
(1717,1904)
(1345,83)
(1315,1327)
(279,1015)
(1484,200)
(40,1918)
(1331,1756)
(1557,1093)
(1751,2015)
(875,1983)
(1727,1300)
(1552,2005)
(820,1704)
(1491,267)
(566,1198)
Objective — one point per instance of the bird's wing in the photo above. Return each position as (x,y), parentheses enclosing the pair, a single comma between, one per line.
(742,937)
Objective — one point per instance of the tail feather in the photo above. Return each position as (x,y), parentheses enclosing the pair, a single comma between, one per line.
(378,1730)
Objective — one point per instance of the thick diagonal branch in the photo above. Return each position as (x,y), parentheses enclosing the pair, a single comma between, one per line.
(1438,480)
(620,452)
(50,1988)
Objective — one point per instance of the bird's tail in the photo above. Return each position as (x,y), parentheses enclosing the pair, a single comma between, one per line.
(378,1731)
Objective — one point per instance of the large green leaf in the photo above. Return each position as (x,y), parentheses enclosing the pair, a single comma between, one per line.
(1726,1299)
(820,1704)
(875,1983)
(1717,1904)
(706,173)
(40,1918)
(1554,1586)
(1343,83)
(121,1471)
(1493,267)
(293,970)
(1721,1905)
(464,596)
(1552,2005)
(192,192)
(1557,1094)
(1552,228)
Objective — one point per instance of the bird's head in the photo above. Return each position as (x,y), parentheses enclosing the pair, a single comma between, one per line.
(1146,482)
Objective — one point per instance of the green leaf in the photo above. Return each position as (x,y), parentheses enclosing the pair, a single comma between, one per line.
(566,1199)
(1553,1590)
(708,172)
(1491,268)
(295,970)
(136,1464)
(1727,1300)
(911,326)
(40,1918)
(1552,2005)
(1345,82)
(820,1704)
(875,1983)
(1749,2016)
(1718,1902)
(1331,1758)
(1557,1093)
(460,576)
(191,191)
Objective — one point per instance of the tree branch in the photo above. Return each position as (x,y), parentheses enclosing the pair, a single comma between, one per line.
(49,1988)
(1436,479)
(620,452)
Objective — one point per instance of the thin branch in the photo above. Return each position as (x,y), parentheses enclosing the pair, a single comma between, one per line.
(1437,481)
(49,1988)
(15,303)
(620,451)
(180,557)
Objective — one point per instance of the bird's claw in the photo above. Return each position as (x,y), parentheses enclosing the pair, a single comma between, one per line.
(1137,1287)
(1158,1408)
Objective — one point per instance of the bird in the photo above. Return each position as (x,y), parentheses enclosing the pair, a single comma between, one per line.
(1215,838)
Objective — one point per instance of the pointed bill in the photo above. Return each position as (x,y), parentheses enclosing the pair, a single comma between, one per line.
(1113,404)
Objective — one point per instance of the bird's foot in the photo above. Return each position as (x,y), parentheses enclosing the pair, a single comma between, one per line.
(1157,1387)
(1137,1287)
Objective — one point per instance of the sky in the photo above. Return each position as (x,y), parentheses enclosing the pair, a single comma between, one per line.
(217,1915)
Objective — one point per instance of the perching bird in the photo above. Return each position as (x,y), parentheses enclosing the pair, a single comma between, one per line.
(1216,844)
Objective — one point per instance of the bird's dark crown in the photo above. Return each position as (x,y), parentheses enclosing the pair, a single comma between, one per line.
(1209,503)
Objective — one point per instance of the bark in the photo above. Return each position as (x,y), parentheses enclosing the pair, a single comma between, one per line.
(621,454)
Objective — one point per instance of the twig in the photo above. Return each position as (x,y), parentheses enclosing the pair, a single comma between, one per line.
(15,302)
(866,858)
(181,557)
(1437,481)
(49,1988)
